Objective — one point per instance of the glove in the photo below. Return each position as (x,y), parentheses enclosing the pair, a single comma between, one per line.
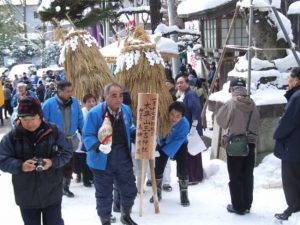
(193,131)
(105,148)
(195,123)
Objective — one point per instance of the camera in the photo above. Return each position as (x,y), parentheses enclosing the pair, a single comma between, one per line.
(39,164)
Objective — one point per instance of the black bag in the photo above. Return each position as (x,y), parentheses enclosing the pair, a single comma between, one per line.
(238,144)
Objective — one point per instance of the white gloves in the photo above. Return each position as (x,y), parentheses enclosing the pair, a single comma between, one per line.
(195,123)
(105,148)
(193,131)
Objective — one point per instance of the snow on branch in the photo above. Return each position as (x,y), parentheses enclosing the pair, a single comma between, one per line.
(134,10)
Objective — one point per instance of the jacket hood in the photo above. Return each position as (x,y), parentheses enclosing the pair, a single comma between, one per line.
(242,100)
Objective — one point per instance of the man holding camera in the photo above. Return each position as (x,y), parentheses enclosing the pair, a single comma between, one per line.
(34,152)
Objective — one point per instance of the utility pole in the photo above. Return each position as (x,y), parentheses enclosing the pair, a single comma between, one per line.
(171,14)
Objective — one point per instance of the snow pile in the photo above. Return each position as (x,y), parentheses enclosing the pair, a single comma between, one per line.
(268,79)
(215,172)
(294,8)
(45,5)
(268,173)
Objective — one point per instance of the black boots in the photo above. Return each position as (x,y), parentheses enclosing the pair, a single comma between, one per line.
(183,185)
(125,217)
(105,220)
(282,216)
(66,188)
(158,186)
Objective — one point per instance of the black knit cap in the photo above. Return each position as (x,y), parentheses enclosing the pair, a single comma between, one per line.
(29,106)
(237,82)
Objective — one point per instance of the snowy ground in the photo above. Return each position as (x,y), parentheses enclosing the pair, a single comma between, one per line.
(208,201)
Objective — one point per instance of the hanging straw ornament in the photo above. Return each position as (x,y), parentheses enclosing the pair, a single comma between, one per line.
(84,65)
(140,69)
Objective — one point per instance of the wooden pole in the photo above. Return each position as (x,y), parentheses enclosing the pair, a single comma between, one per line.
(141,209)
(154,187)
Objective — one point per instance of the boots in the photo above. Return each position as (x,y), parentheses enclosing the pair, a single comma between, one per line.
(184,199)
(105,220)
(125,217)
(158,186)
(66,188)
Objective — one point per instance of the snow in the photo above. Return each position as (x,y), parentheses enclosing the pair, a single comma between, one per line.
(164,29)
(132,10)
(163,45)
(208,200)
(262,94)
(260,3)
(20,69)
(45,5)
(194,6)
(294,8)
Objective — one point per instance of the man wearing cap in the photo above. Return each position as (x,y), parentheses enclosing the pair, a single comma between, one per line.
(64,110)
(234,116)
(34,152)
(287,145)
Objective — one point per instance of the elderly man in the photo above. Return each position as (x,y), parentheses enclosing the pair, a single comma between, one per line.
(111,162)
(21,91)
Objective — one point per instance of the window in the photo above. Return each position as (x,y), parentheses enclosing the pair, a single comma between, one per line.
(35,15)
(239,35)
(210,36)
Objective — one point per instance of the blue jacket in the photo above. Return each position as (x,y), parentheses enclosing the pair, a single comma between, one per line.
(52,113)
(94,120)
(287,133)
(35,189)
(176,137)
(192,107)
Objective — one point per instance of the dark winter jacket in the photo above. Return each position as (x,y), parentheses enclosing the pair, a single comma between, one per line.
(287,133)
(34,190)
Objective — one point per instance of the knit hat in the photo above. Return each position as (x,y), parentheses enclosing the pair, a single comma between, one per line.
(29,106)
(240,82)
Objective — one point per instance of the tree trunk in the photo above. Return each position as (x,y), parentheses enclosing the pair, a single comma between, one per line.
(155,14)
(24,18)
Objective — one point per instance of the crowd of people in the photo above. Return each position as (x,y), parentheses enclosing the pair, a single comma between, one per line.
(54,134)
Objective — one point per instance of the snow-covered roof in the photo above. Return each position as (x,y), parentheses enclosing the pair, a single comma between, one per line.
(164,29)
(259,3)
(18,2)
(193,6)
(294,8)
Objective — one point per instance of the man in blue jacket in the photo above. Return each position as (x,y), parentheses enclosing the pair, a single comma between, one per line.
(287,145)
(64,110)
(111,163)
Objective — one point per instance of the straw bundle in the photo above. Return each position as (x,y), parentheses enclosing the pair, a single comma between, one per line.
(145,76)
(84,65)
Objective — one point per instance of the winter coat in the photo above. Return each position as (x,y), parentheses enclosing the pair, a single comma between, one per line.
(234,115)
(35,189)
(192,107)
(287,133)
(94,120)
(176,137)
(52,113)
